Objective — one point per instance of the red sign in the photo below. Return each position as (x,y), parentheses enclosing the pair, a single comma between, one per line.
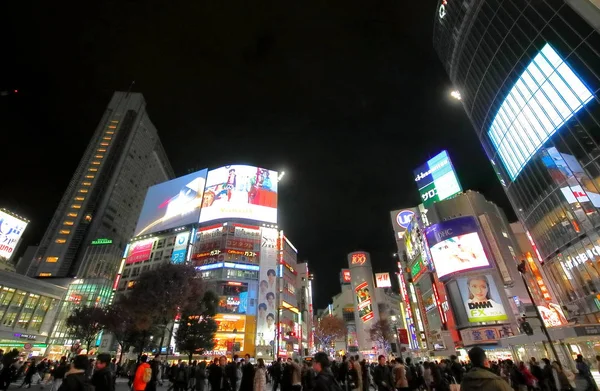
(403,336)
(346,275)
(240,244)
(140,251)
(358,259)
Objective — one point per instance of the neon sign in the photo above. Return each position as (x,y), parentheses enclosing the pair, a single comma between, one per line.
(358,259)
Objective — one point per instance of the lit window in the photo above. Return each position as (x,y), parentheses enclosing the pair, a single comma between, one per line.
(51,259)
(72,214)
(110,132)
(79,198)
(107,138)
(64,231)
(89,176)
(86,183)
(101,149)
(45,275)
(130,284)
(60,241)
(104,144)
(546,95)
(82,190)
(99,156)
(112,127)
(92,169)
(76,206)
(68,223)
(96,163)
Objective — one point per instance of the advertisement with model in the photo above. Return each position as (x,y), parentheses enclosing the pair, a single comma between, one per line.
(240,191)
(11,230)
(481,298)
(455,246)
(366,312)
(267,292)
(172,204)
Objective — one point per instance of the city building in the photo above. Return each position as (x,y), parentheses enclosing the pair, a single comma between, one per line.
(527,74)
(28,308)
(305,304)
(97,214)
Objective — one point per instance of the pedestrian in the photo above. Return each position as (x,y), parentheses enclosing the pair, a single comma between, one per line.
(58,373)
(325,380)
(228,374)
(181,377)
(214,375)
(427,378)
(480,377)
(102,379)
(259,380)
(155,377)
(8,368)
(276,373)
(31,371)
(143,374)
(562,380)
(354,381)
(247,375)
(201,376)
(382,375)
(400,380)
(308,376)
(456,369)
(584,373)
(537,372)
(286,376)
(75,379)
(530,380)
(342,374)
(296,375)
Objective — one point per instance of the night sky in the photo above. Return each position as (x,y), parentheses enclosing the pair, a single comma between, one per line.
(347,97)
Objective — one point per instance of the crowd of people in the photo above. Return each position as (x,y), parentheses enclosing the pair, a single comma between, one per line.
(320,373)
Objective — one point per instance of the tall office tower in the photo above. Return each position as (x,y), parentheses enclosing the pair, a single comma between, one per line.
(528,74)
(99,209)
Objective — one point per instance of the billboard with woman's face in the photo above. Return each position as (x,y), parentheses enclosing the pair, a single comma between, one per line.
(481,298)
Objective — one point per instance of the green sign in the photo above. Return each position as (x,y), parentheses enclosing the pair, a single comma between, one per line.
(102,241)
(417,269)
(21,345)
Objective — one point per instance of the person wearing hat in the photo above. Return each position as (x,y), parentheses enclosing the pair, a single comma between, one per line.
(480,377)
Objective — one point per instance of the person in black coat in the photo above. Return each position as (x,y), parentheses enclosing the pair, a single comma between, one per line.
(382,375)
(102,379)
(215,372)
(247,375)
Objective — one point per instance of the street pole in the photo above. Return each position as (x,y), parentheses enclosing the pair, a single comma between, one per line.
(523,269)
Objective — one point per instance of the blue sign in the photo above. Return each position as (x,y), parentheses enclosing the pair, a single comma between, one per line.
(404,217)
(440,232)
(178,256)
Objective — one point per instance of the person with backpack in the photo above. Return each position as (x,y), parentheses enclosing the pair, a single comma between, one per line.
(102,379)
(143,375)
(75,379)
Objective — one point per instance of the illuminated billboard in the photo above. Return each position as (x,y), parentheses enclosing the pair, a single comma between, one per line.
(382,280)
(139,251)
(345,276)
(436,179)
(180,247)
(172,204)
(546,95)
(246,192)
(455,246)
(11,230)
(267,290)
(481,298)
(365,302)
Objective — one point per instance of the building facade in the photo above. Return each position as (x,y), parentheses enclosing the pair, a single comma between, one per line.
(527,73)
(105,194)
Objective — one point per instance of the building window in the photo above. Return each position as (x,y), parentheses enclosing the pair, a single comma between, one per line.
(82,190)
(86,183)
(51,259)
(104,144)
(101,150)
(90,176)
(92,169)
(64,231)
(110,132)
(76,206)
(107,138)
(96,163)
(60,241)
(79,198)
(99,156)
(45,275)
(112,126)
(71,214)
(68,223)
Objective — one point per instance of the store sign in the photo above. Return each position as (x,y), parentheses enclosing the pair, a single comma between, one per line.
(437,180)
(25,336)
(358,259)
(101,241)
(382,280)
(417,269)
(233,300)
(179,250)
(481,335)
(404,217)
(403,336)
(346,278)
(442,10)
(584,331)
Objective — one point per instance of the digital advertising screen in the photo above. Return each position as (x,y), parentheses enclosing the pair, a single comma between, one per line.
(455,246)
(365,303)
(139,251)
(240,191)
(172,204)
(180,248)
(481,298)
(546,95)
(552,315)
(11,230)
(436,179)
(267,287)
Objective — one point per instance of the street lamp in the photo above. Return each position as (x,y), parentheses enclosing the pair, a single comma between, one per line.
(456,95)
(522,268)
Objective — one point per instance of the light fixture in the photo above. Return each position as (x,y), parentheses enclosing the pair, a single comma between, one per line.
(456,95)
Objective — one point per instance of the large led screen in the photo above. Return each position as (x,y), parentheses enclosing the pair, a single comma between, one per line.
(11,230)
(546,95)
(455,246)
(172,204)
(240,192)
(436,179)
(481,298)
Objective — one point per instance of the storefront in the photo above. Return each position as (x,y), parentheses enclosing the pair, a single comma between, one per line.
(26,349)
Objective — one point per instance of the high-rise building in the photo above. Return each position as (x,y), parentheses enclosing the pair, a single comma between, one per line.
(105,194)
(528,76)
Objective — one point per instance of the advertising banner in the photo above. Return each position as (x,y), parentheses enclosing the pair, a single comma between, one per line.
(382,280)
(552,315)
(481,298)
(417,269)
(139,251)
(172,204)
(436,179)
(365,303)
(455,246)
(481,335)
(11,230)
(267,289)
(238,191)
(403,336)
(180,247)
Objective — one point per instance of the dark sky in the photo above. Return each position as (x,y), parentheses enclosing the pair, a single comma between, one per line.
(347,97)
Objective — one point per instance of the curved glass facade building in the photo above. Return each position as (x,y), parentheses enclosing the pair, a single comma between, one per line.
(529,75)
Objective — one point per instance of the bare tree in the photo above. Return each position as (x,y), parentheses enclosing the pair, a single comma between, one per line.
(328,330)
(381,334)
